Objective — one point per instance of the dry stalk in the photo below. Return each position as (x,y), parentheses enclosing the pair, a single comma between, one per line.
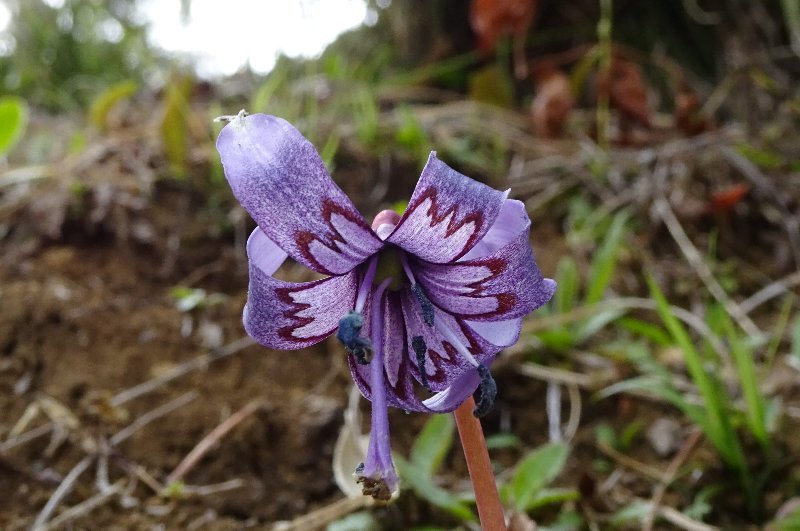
(62,490)
(697,263)
(84,508)
(150,416)
(325,515)
(633,464)
(180,370)
(207,442)
(770,291)
(676,463)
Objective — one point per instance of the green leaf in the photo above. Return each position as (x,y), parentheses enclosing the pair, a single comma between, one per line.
(795,341)
(175,126)
(566,296)
(360,521)
(433,443)
(502,440)
(650,331)
(535,472)
(605,260)
(592,325)
(789,522)
(102,104)
(492,84)
(565,521)
(553,496)
(426,489)
(637,510)
(13,120)
(765,159)
(329,150)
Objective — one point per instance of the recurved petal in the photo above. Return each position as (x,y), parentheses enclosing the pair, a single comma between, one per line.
(264,253)
(279,178)
(510,223)
(286,315)
(506,284)
(499,333)
(447,215)
(450,376)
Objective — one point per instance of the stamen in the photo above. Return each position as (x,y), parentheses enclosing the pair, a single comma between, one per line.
(349,333)
(425,304)
(487,391)
(420,349)
(407,268)
(366,283)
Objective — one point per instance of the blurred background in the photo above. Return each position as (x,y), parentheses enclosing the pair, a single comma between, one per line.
(655,145)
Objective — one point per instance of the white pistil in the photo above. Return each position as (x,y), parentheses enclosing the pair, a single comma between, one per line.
(407,268)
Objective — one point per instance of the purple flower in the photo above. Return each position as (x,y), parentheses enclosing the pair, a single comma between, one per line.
(423,302)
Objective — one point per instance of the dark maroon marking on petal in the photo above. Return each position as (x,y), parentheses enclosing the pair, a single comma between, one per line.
(284,294)
(505,301)
(437,217)
(332,238)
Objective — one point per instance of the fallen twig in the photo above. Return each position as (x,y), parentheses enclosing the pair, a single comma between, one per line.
(27,436)
(770,291)
(83,508)
(633,464)
(211,439)
(695,260)
(180,370)
(206,490)
(324,515)
(63,489)
(152,415)
(672,471)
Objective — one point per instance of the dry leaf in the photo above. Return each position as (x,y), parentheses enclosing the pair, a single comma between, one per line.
(351,448)
(689,118)
(553,101)
(724,201)
(493,19)
(627,93)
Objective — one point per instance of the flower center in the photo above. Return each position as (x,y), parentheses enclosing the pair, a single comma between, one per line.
(389,266)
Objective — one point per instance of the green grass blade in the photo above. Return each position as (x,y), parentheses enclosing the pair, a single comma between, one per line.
(748,379)
(605,261)
(566,296)
(718,427)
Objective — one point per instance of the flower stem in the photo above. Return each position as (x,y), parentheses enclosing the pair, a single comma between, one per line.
(490,511)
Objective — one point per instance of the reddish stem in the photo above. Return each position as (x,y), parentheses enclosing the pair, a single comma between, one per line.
(490,511)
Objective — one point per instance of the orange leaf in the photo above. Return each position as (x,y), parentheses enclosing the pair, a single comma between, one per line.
(724,201)
(688,114)
(626,90)
(553,101)
(492,19)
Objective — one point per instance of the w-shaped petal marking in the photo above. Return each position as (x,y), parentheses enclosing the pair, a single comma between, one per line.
(286,315)
(280,179)
(504,285)
(447,214)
